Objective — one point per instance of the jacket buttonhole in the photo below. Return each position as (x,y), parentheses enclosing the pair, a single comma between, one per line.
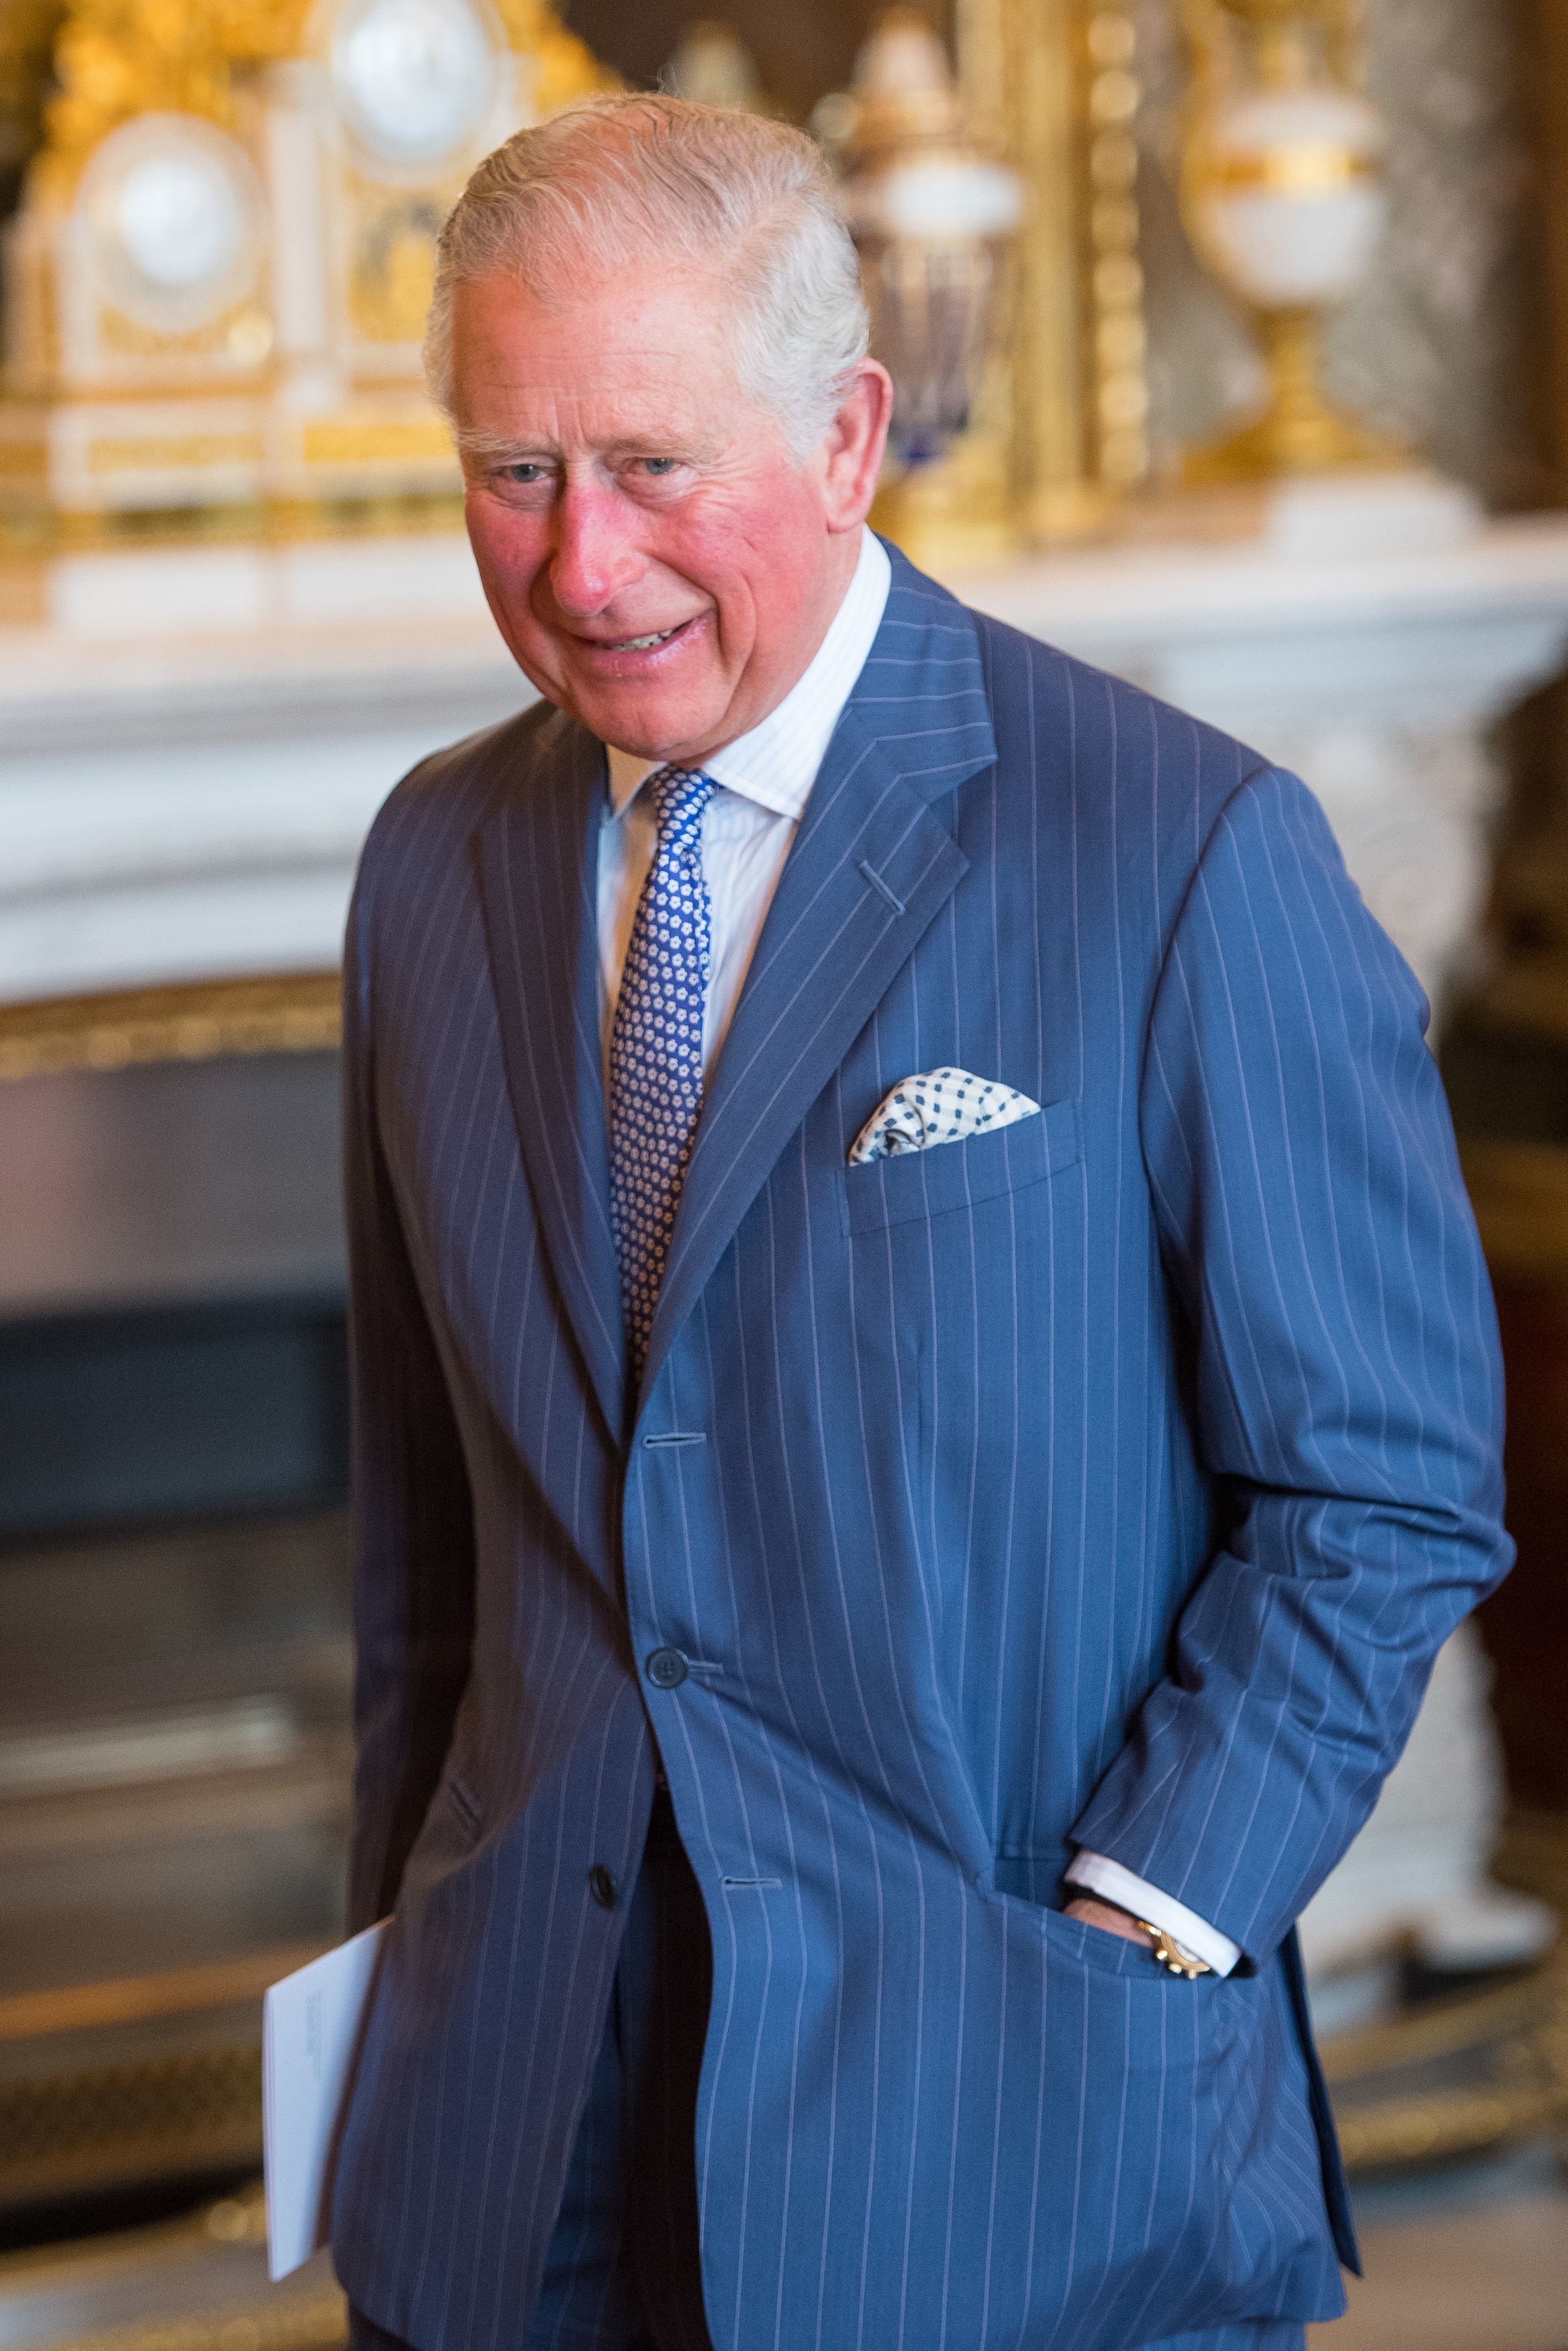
(865,867)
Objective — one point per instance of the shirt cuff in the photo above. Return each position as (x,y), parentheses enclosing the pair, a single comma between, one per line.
(1108,1879)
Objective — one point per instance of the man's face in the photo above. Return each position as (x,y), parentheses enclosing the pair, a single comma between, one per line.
(659,562)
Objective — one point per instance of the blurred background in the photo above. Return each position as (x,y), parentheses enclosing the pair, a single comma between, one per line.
(1230,345)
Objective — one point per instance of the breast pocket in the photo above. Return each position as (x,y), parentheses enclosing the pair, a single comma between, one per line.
(919,1184)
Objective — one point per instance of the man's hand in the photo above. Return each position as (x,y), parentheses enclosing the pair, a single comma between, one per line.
(1105,1916)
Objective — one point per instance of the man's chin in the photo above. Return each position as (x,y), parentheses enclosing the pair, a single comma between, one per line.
(662,727)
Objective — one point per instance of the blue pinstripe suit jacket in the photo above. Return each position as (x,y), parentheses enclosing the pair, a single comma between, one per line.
(1110,1479)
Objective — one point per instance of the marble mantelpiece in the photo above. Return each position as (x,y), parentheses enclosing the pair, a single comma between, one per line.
(192,745)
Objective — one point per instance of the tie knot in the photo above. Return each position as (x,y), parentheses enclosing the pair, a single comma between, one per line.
(680,795)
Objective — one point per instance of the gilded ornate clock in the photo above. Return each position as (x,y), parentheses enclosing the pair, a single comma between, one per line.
(216,286)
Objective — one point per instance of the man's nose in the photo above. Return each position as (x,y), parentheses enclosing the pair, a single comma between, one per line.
(594,554)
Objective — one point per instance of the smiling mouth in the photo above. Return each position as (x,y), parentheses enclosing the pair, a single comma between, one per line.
(640,644)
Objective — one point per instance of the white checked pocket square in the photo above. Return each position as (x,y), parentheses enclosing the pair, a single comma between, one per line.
(938,1106)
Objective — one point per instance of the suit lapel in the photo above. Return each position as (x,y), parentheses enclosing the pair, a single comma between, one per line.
(868,870)
(538,855)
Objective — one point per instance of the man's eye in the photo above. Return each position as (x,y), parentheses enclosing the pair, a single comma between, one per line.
(524,475)
(661,465)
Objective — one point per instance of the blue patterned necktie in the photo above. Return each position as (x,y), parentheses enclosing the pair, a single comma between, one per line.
(656,1048)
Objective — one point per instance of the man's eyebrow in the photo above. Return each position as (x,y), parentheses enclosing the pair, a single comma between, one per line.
(684,445)
(481,450)
(476,448)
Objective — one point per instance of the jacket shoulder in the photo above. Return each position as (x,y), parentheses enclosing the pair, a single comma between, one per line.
(1063,728)
(1104,735)
(424,826)
(462,779)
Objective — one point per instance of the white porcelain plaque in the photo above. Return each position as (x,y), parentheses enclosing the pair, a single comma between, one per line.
(414,78)
(176,218)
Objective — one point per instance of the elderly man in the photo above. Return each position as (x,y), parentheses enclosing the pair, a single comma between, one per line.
(925,1392)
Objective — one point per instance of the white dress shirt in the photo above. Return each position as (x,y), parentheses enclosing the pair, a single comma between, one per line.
(764,780)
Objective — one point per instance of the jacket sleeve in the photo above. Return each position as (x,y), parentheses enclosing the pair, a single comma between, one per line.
(1347,1381)
(413,1577)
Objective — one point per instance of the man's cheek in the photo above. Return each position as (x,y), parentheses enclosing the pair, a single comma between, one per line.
(506,544)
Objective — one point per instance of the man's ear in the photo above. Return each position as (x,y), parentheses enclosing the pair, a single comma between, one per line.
(850,454)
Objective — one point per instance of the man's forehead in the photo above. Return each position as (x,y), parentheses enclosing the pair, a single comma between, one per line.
(606,416)
(660,315)
(594,365)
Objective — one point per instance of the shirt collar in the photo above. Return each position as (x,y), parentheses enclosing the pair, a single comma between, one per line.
(776,765)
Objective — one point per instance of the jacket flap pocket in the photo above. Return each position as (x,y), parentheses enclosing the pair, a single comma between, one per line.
(919,1183)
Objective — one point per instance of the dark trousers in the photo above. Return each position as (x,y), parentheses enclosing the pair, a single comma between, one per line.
(623,2271)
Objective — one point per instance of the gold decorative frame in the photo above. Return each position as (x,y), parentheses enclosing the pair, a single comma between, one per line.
(86,2128)
(1055,83)
(319,2324)
(291,1012)
(82,2107)
(117,58)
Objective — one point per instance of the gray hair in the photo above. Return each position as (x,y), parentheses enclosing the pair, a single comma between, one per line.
(602,186)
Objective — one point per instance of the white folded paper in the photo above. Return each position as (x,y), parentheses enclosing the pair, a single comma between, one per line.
(312,2024)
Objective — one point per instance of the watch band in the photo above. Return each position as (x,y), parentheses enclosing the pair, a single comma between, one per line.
(1174,1957)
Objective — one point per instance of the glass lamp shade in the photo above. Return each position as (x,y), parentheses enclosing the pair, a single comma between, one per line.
(713,66)
(1283,196)
(931,232)
(931,217)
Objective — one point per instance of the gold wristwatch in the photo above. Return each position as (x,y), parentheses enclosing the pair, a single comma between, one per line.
(1174,1957)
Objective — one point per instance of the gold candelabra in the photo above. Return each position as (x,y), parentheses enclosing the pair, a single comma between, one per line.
(1283,198)
(1057,84)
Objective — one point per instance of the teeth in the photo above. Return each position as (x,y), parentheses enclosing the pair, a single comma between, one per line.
(640,644)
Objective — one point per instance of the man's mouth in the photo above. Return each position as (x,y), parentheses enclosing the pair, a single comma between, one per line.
(648,643)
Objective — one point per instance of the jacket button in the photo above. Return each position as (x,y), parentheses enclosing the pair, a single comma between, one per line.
(601,1885)
(666,1668)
